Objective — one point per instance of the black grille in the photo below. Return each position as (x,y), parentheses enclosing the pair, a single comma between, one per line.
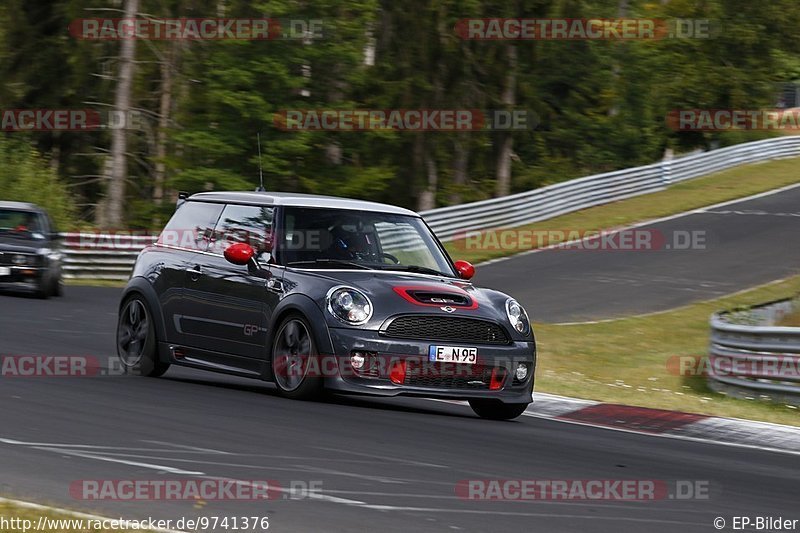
(447,376)
(446,328)
(6,259)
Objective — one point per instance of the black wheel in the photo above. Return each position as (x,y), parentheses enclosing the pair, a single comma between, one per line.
(295,363)
(497,410)
(58,286)
(136,340)
(43,289)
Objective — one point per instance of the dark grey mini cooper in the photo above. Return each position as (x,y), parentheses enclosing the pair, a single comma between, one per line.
(315,293)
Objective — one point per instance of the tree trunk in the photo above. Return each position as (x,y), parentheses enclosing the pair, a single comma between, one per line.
(503,168)
(165,109)
(616,68)
(460,166)
(427,200)
(119,145)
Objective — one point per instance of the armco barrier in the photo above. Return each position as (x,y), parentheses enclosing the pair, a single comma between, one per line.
(103,262)
(750,353)
(101,256)
(566,197)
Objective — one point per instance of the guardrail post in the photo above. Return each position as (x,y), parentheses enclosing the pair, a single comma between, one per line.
(666,167)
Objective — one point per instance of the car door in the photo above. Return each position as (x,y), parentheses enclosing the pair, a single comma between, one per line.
(180,247)
(226,306)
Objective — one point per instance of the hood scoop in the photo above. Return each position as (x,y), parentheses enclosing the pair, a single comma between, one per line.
(441,298)
(429,296)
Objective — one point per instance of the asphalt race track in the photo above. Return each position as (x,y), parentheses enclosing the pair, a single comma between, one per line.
(382,465)
(747,243)
(392,465)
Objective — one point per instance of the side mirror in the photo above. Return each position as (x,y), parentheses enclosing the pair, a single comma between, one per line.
(239,253)
(465,269)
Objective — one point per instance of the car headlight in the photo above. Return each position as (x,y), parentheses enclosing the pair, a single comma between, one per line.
(517,316)
(349,305)
(52,255)
(19,259)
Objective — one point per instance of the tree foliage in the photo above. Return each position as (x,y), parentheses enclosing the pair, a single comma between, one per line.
(600,105)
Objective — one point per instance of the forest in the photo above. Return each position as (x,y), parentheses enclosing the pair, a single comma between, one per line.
(184,114)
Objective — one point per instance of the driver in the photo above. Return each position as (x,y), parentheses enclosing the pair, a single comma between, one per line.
(355,244)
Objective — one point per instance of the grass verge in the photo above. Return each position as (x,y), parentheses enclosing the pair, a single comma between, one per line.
(693,194)
(94,283)
(626,360)
(791,321)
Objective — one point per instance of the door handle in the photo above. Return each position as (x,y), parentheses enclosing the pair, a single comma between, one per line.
(194,272)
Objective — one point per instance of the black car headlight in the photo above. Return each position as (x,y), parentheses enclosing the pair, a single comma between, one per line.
(19,259)
(349,305)
(517,316)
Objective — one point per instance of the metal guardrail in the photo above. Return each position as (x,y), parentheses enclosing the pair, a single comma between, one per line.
(101,256)
(547,202)
(749,352)
(115,262)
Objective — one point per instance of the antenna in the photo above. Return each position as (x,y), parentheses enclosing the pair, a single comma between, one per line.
(260,187)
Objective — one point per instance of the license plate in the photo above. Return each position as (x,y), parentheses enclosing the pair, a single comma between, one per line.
(453,354)
(5,271)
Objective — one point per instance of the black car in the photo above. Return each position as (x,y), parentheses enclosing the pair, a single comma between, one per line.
(30,250)
(316,292)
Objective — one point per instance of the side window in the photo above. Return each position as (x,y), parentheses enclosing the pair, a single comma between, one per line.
(47,223)
(191,226)
(244,223)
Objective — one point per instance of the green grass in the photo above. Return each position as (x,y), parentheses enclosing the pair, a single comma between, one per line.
(693,194)
(94,283)
(791,320)
(625,361)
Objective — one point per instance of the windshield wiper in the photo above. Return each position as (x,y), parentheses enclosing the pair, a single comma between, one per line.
(418,269)
(330,262)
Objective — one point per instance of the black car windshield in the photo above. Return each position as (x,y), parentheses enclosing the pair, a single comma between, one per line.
(20,222)
(344,239)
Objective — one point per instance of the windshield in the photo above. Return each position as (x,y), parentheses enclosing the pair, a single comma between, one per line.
(20,222)
(337,238)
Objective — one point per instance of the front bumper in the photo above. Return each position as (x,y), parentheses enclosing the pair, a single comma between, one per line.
(425,379)
(22,276)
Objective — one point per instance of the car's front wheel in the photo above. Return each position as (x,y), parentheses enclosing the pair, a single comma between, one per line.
(497,410)
(295,360)
(58,286)
(136,340)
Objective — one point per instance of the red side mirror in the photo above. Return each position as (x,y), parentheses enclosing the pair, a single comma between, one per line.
(465,269)
(239,253)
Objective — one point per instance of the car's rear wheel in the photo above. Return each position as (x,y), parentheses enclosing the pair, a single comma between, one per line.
(295,360)
(136,339)
(497,410)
